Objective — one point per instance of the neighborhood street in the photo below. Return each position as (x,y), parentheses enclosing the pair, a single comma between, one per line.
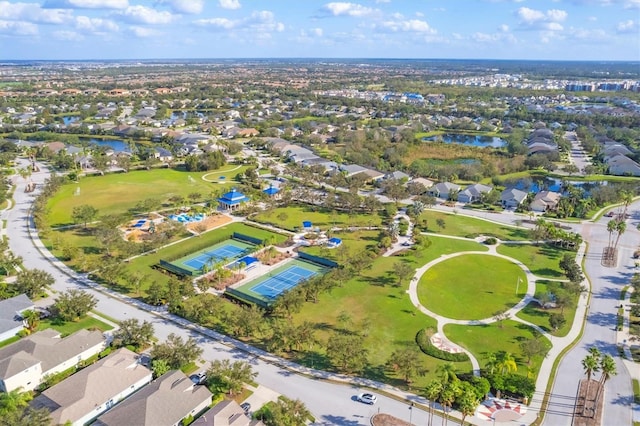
(333,403)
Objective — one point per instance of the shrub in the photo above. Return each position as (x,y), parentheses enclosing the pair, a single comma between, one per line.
(424,342)
(490,241)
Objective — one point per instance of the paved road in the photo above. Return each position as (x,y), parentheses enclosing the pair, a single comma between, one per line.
(600,328)
(331,403)
(577,155)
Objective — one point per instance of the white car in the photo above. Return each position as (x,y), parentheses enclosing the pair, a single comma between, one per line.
(367,398)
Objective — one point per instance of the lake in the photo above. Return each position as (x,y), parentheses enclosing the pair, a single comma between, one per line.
(471,140)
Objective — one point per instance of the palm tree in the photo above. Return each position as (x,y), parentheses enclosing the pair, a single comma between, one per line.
(447,397)
(608,368)
(611,228)
(432,392)
(590,364)
(393,230)
(447,372)
(467,403)
(621,226)
(506,363)
(492,362)
(31,320)
(627,199)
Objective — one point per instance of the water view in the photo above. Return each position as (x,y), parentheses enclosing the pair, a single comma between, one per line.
(68,119)
(472,140)
(117,145)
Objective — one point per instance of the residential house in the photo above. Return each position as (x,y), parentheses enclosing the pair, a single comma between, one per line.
(473,193)
(541,140)
(11,311)
(443,190)
(25,363)
(226,413)
(85,395)
(512,198)
(422,181)
(398,175)
(621,165)
(545,201)
(162,154)
(165,401)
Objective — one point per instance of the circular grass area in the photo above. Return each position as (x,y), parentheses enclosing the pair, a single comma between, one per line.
(471,287)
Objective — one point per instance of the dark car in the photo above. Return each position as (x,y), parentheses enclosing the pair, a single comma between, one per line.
(198,378)
(246,407)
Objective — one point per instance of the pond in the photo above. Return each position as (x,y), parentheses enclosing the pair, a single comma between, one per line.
(177,115)
(117,145)
(471,140)
(68,119)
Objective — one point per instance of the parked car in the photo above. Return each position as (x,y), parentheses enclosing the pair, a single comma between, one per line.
(246,407)
(198,378)
(367,398)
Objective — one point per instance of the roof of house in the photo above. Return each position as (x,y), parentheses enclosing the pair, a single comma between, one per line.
(513,194)
(547,197)
(446,187)
(10,310)
(80,394)
(226,413)
(165,401)
(426,182)
(46,347)
(398,175)
(352,168)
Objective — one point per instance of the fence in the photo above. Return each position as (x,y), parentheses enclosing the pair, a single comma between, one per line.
(247,239)
(175,268)
(322,261)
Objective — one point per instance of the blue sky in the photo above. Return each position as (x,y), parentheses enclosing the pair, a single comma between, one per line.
(489,29)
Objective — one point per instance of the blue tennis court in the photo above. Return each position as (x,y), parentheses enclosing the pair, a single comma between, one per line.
(228,252)
(283,281)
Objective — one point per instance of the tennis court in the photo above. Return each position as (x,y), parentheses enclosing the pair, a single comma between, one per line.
(283,281)
(264,290)
(214,256)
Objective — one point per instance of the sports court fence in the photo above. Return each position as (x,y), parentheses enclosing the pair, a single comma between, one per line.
(322,261)
(200,245)
(175,268)
(246,298)
(247,238)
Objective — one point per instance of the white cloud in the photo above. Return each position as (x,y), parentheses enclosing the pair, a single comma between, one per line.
(143,32)
(230,4)
(409,25)
(32,12)
(632,4)
(86,4)
(18,28)
(258,21)
(189,7)
(628,26)
(383,1)
(85,23)
(592,18)
(348,9)
(504,28)
(537,19)
(146,15)
(67,35)
(317,32)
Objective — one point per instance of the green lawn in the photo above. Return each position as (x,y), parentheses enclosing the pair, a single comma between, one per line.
(471,227)
(480,340)
(118,192)
(534,314)
(471,286)
(352,242)
(69,327)
(377,307)
(291,218)
(543,260)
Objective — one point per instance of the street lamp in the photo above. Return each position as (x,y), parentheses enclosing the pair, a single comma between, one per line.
(410,413)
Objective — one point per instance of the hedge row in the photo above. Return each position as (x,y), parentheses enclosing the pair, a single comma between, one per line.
(423,341)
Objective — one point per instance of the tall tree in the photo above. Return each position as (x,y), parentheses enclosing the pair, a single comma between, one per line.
(432,393)
(402,270)
(407,363)
(73,304)
(133,332)
(590,364)
(347,352)
(621,227)
(84,214)
(33,282)
(447,372)
(176,351)
(223,376)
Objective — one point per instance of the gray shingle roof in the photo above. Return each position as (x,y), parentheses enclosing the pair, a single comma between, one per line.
(165,401)
(80,394)
(10,310)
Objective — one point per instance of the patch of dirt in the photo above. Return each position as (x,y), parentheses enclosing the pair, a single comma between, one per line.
(212,279)
(209,222)
(271,258)
(387,420)
(588,411)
